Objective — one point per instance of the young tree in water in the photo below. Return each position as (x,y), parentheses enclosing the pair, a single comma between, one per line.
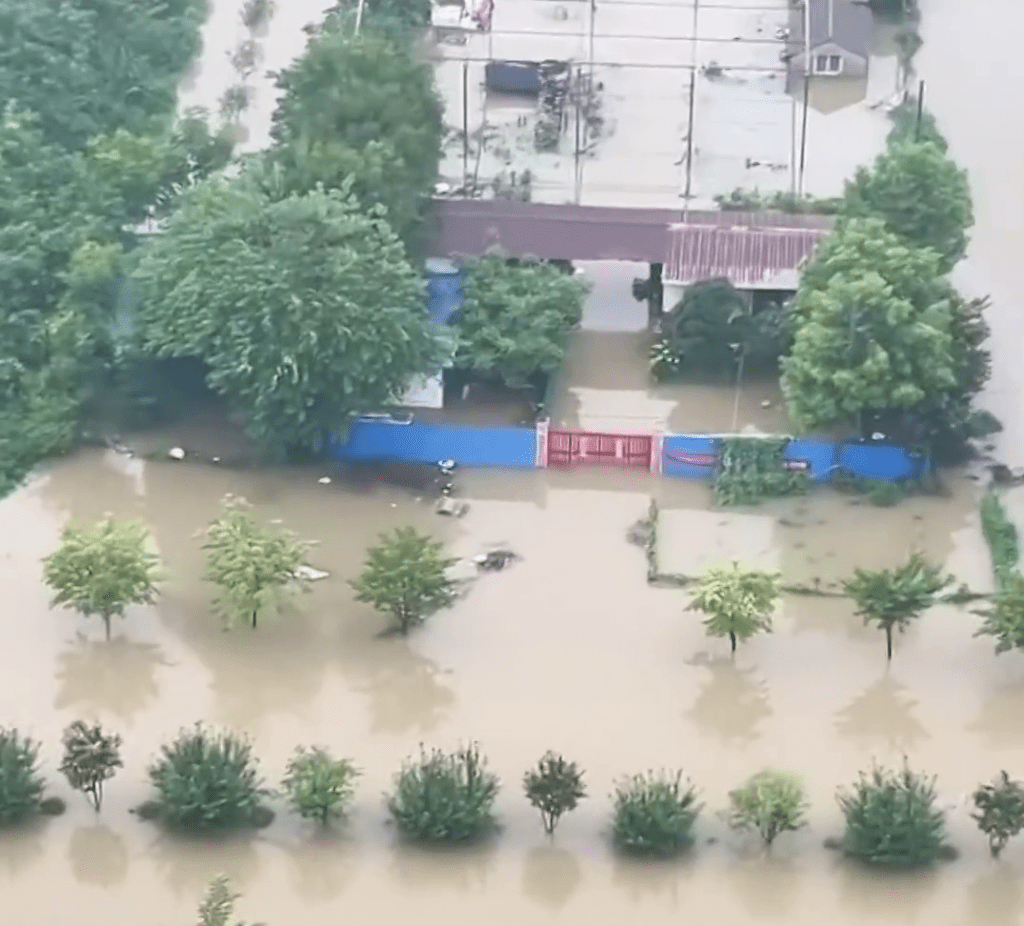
(251,566)
(406,576)
(218,906)
(770,802)
(738,602)
(1000,813)
(892,598)
(91,756)
(1004,619)
(319,786)
(554,787)
(102,569)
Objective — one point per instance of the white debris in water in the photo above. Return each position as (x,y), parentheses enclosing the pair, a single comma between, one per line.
(767,403)
(276,521)
(308,572)
(215,459)
(461,571)
(324,480)
(176,453)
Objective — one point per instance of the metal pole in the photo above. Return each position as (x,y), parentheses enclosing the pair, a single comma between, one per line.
(359,15)
(803,130)
(689,138)
(576,155)
(465,123)
(920,111)
(739,386)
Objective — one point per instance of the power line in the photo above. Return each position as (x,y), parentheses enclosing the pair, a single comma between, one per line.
(737,40)
(645,66)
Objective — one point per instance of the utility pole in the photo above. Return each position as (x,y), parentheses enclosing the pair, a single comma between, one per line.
(577,173)
(803,130)
(465,123)
(359,15)
(689,121)
(920,111)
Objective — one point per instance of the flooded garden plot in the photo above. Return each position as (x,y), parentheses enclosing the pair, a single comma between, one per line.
(569,648)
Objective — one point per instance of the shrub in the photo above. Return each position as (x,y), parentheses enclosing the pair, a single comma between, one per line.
(90,758)
(891,818)
(21,785)
(207,781)
(445,798)
(770,802)
(1000,811)
(1000,534)
(218,906)
(52,806)
(654,814)
(885,494)
(318,785)
(554,787)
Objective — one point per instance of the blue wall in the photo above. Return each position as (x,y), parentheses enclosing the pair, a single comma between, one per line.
(681,453)
(428,443)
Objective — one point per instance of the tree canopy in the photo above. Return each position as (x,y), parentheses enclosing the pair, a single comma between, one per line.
(921,195)
(361,107)
(89,68)
(738,602)
(304,308)
(515,318)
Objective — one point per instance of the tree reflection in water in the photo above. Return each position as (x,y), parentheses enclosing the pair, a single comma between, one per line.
(188,865)
(98,856)
(551,876)
(428,870)
(883,715)
(322,865)
(766,885)
(997,898)
(731,703)
(22,846)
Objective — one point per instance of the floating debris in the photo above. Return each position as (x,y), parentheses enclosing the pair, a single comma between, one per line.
(310,574)
(496,559)
(324,480)
(448,506)
(176,453)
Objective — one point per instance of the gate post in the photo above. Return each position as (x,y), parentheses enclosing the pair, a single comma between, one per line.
(657,450)
(542,442)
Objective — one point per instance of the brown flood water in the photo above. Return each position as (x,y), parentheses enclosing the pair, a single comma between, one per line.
(568,649)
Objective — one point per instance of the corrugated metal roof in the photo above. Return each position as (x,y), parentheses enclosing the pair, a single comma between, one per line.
(747,257)
(567,232)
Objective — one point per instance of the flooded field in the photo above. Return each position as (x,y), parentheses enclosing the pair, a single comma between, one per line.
(569,649)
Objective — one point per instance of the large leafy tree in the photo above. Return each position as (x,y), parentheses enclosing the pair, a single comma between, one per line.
(515,317)
(304,308)
(921,195)
(88,67)
(362,107)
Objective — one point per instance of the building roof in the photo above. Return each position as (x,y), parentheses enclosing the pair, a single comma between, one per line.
(845,23)
(468,227)
(750,258)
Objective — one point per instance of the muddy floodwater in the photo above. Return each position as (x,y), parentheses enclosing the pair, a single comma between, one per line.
(567,649)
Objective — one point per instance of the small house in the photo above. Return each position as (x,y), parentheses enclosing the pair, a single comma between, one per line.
(830,38)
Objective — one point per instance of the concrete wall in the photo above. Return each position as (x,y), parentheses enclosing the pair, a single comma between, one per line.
(427,443)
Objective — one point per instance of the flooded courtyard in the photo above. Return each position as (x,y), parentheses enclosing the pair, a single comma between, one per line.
(568,649)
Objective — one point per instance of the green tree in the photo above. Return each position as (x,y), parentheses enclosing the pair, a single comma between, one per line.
(515,318)
(102,569)
(361,107)
(207,780)
(893,598)
(654,814)
(218,906)
(91,756)
(305,309)
(406,576)
(705,332)
(738,602)
(412,12)
(1000,811)
(252,567)
(1004,618)
(770,802)
(21,785)
(319,786)
(864,349)
(921,195)
(554,787)
(441,798)
(891,818)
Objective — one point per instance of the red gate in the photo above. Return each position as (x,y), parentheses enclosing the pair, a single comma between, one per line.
(567,447)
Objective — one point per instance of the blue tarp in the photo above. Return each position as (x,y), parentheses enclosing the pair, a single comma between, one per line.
(428,443)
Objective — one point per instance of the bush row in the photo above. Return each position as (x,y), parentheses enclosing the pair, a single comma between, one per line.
(208,780)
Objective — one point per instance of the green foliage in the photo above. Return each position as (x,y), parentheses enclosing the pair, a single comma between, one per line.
(885,494)
(921,195)
(891,818)
(102,569)
(1000,811)
(90,68)
(893,598)
(319,786)
(1000,534)
(443,798)
(207,780)
(218,906)
(654,814)
(905,127)
(304,308)
(872,330)
(751,469)
(21,785)
(706,331)
(406,576)
(515,317)
(365,108)
(1004,619)
(740,200)
(91,756)
(554,787)
(411,12)
(770,802)
(737,602)
(251,567)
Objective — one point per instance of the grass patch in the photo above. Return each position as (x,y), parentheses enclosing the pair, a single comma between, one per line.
(1000,534)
